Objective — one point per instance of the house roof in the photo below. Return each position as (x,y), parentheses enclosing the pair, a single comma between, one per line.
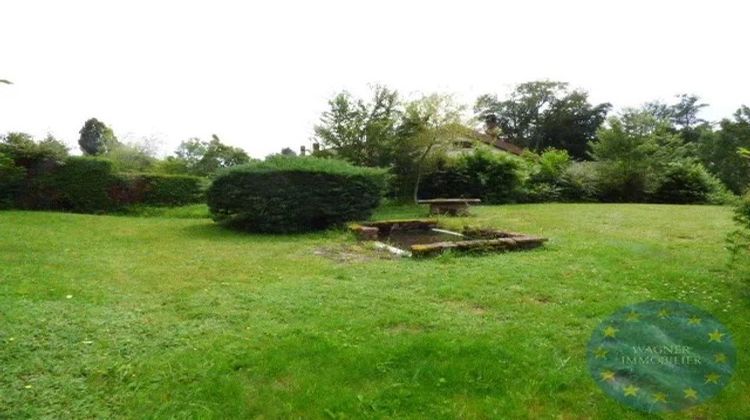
(500,143)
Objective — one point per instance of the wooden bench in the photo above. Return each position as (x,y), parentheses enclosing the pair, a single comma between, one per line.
(450,206)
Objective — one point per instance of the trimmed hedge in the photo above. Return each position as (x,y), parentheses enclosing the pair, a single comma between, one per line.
(79,184)
(294,194)
(162,190)
(89,185)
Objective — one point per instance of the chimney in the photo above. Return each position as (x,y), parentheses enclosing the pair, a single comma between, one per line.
(302,150)
(316,148)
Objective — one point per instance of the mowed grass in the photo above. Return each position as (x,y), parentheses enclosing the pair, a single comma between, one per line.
(175,317)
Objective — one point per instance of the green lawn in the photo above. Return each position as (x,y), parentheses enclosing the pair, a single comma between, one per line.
(109,316)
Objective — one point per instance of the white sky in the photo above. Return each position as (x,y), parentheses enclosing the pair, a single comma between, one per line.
(259,74)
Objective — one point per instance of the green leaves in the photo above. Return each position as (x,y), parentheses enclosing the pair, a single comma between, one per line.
(202,158)
(96,138)
(543,114)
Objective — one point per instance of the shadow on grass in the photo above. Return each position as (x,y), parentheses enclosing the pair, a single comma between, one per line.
(215,231)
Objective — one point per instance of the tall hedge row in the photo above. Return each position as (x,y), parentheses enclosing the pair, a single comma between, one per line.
(163,190)
(288,194)
(89,185)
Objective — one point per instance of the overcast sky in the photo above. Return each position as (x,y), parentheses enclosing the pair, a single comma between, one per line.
(259,75)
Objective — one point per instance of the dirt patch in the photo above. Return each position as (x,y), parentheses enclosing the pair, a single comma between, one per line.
(466,307)
(352,253)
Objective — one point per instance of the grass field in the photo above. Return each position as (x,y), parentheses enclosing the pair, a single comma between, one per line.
(173,316)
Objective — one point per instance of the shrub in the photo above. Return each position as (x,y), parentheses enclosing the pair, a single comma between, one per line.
(684,183)
(294,194)
(160,189)
(549,166)
(742,212)
(580,182)
(543,176)
(620,182)
(541,192)
(738,241)
(494,177)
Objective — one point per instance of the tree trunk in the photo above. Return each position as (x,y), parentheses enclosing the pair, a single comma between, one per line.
(419,172)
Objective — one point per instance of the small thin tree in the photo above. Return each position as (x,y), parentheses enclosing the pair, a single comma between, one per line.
(432,122)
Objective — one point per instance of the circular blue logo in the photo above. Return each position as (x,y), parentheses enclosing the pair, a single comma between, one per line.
(661,356)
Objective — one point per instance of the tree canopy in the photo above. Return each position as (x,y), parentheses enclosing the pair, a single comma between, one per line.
(200,157)
(543,114)
(96,138)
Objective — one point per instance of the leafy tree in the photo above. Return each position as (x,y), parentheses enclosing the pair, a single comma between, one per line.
(132,156)
(96,138)
(685,112)
(719,150)
(633,152)
(430,123)
(288,152)
(361,132)
(681,117)
(32,155)
(171,165)
(206,157)
(544,114)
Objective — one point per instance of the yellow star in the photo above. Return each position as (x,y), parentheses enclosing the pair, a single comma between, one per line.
(691,393)
(712,378)
(608,375)
(610,331)
(631,390)
(720,358)
(660,397)
(633,316)
(694,321)
(663,313)
(715,336)
(601,352)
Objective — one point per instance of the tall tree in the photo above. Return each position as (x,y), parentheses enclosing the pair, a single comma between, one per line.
(685,112)
(544,114)
(719,150)
(362,132)
(96,138)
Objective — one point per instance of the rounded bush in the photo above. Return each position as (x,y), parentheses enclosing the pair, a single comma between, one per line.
(294,194)
(684,183)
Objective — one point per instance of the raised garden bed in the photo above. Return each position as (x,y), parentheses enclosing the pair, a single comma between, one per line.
(424,238)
